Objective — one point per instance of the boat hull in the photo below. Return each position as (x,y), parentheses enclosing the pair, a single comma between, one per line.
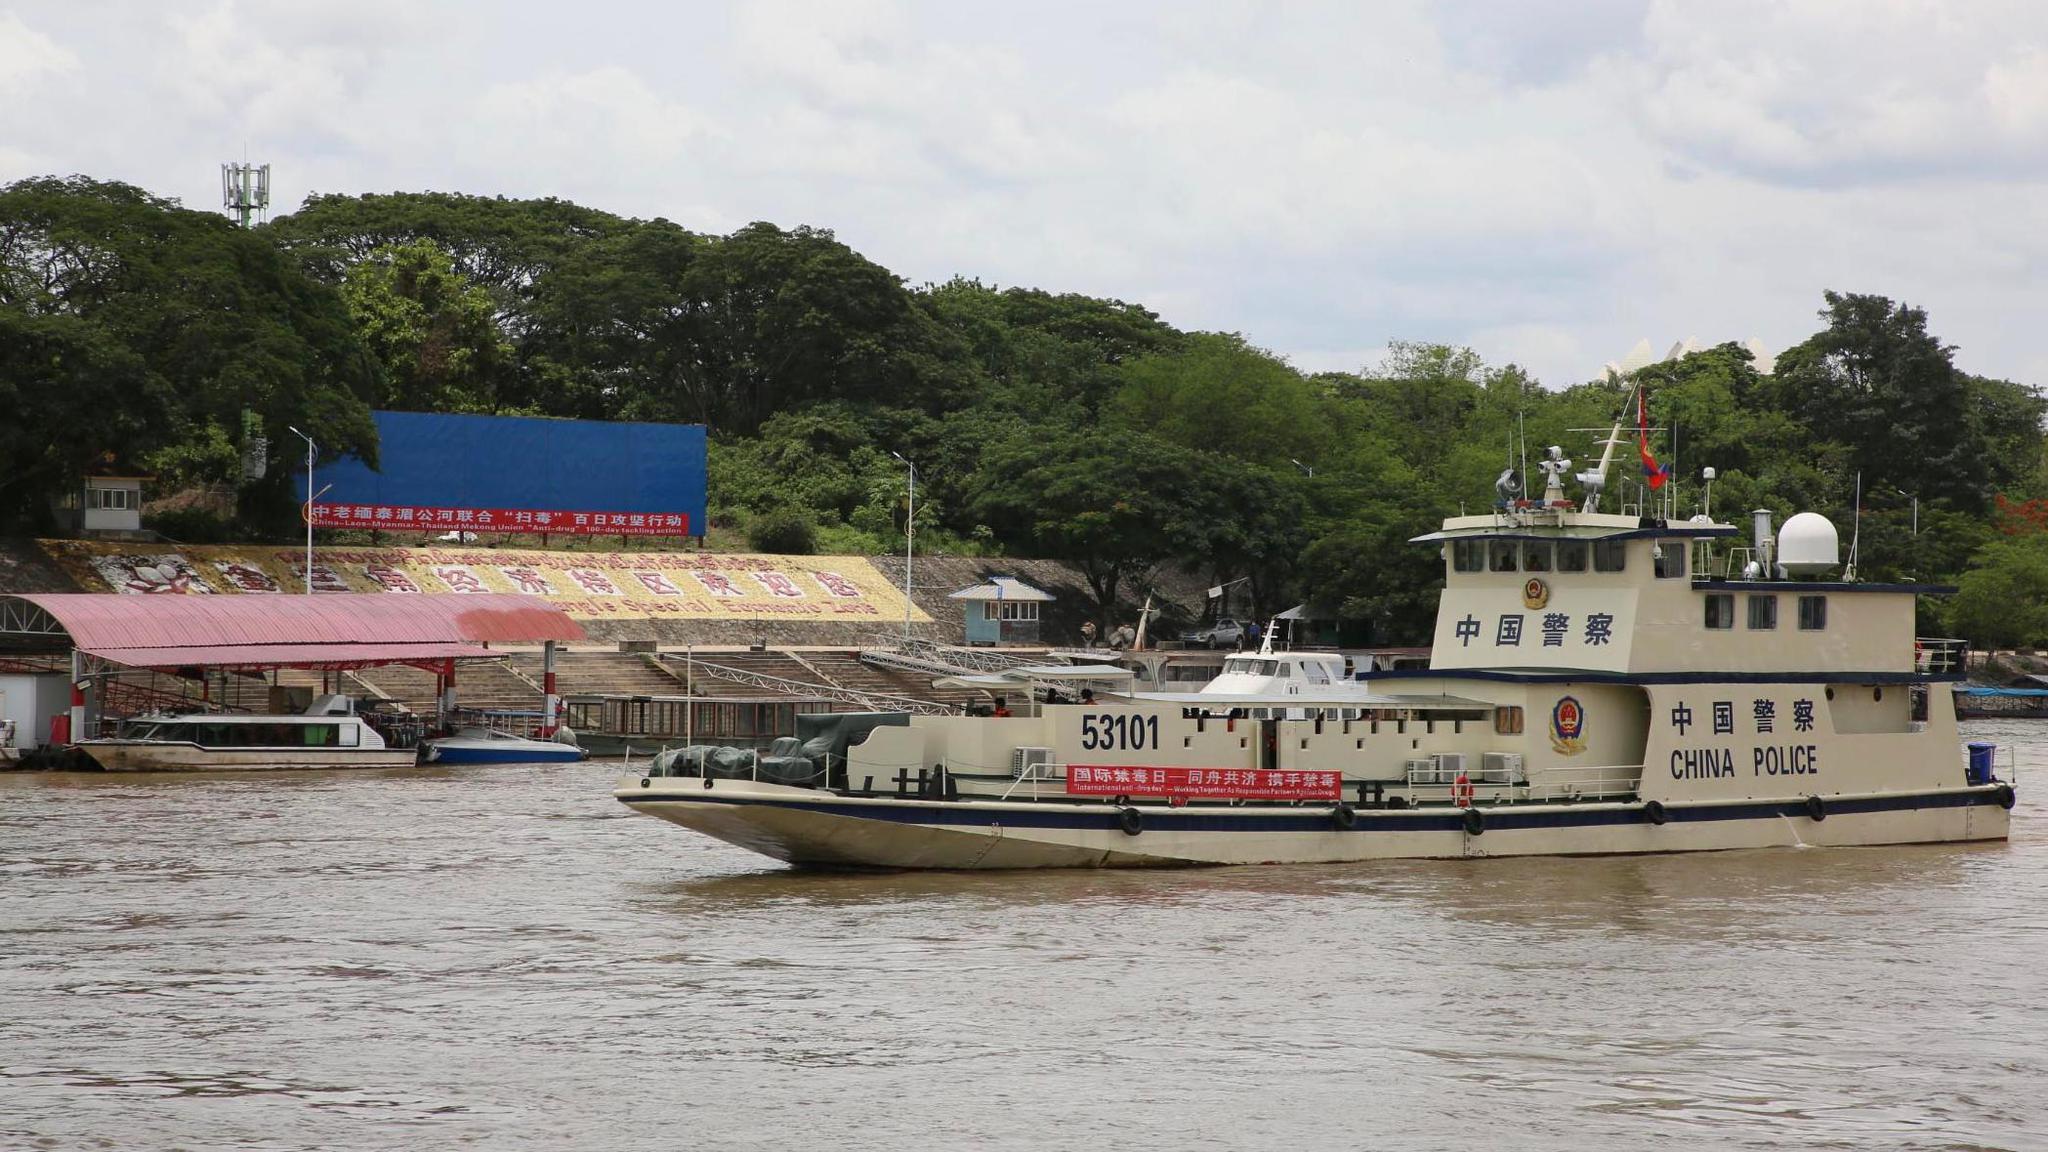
(805,828)
(138,756)
(502,752)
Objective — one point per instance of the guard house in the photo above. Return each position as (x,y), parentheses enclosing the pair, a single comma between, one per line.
(1003,611)
(109,500)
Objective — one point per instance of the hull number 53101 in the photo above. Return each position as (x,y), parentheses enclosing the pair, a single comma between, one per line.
(1119,732)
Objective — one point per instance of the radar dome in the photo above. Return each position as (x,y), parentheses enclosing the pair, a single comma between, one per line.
(1808,545)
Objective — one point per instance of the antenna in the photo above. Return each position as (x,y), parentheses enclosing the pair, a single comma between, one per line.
(1856,534)
(1522,433)
(245,191)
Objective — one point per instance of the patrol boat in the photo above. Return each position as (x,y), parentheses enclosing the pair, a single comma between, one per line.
(1622,682)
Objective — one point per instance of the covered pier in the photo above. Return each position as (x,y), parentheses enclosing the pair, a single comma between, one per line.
(253,634)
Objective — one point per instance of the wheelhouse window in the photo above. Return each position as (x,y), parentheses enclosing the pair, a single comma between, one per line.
(1502,556)
(1813,613)
(1720,609)
(1571,555)
(1468,555)
(1536,556)
(1668,558)
(1315,673)
(1610,555)
(1763,613)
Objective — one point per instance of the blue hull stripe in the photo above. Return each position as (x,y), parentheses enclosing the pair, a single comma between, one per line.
(965,814)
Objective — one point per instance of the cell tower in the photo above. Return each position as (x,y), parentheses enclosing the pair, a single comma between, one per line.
(245,191)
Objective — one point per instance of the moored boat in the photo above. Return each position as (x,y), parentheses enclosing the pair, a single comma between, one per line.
(329,735)
(1601,683)
(495,746)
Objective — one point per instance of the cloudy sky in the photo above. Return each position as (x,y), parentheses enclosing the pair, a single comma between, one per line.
(1546,182)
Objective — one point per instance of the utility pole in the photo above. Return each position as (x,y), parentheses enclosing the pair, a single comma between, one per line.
(311,450)
(909,540)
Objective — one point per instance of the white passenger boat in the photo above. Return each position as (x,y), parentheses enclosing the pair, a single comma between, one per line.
(496,746)
(329,735)
(1600,683)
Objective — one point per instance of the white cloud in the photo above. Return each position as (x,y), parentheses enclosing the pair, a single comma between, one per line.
(1544,184)
(29,58)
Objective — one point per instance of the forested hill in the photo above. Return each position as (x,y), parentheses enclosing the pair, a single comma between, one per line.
(1042,424)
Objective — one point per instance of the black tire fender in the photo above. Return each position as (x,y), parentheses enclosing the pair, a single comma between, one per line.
(708,780)
(2006,796)
(1654,812)
(1816,809)
(1343,818)
(1130,821)
(1475,822)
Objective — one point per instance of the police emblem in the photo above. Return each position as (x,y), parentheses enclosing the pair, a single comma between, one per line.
(1567,727)
(1535,594)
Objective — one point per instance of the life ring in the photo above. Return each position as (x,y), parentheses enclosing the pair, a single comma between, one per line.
(1461,791)
(1343,818)
(2006,797)
(1475,823)
(1654,812)
(1816,809)
(1130,820)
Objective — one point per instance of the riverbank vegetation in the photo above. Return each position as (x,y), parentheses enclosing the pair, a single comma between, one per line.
(1041,424)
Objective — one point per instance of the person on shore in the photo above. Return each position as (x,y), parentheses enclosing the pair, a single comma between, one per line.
(1087,633)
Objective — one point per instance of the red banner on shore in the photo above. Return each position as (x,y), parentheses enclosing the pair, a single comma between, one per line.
(415,518)
(1202,783)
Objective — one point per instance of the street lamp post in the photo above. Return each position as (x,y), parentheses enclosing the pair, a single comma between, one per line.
(311,450)
(909,539)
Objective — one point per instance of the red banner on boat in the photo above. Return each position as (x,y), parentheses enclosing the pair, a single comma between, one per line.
(1202,783)
(415,518)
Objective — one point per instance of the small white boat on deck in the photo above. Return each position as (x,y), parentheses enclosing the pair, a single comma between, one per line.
(328,735)
(496,746)
(1601,683)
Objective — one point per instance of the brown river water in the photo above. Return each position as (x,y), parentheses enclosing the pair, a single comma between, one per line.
(508,959)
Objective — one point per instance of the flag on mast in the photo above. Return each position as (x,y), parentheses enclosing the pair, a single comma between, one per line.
(1654,473)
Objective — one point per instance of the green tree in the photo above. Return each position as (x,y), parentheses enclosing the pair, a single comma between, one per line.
(219,320)
(71,393)
(430,329)
(2002,601)
(1217,393)
(1876,381)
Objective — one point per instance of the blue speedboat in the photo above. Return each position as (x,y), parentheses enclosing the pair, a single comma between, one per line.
(493,746)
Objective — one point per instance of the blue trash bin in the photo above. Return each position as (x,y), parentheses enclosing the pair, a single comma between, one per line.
(1982,759)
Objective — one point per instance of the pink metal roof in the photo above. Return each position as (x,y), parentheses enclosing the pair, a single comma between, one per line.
(246,656)
(238,629)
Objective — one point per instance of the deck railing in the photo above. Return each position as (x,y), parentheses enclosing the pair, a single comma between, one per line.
(1941,656)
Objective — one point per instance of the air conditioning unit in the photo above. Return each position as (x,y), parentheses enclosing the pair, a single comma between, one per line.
(1502,768)
(1422,772)
(1030,763)
(1449,766)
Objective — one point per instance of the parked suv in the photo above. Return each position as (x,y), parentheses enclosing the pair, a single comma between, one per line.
(1224,633)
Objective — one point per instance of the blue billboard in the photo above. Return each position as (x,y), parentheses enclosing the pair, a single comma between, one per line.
(519,474)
